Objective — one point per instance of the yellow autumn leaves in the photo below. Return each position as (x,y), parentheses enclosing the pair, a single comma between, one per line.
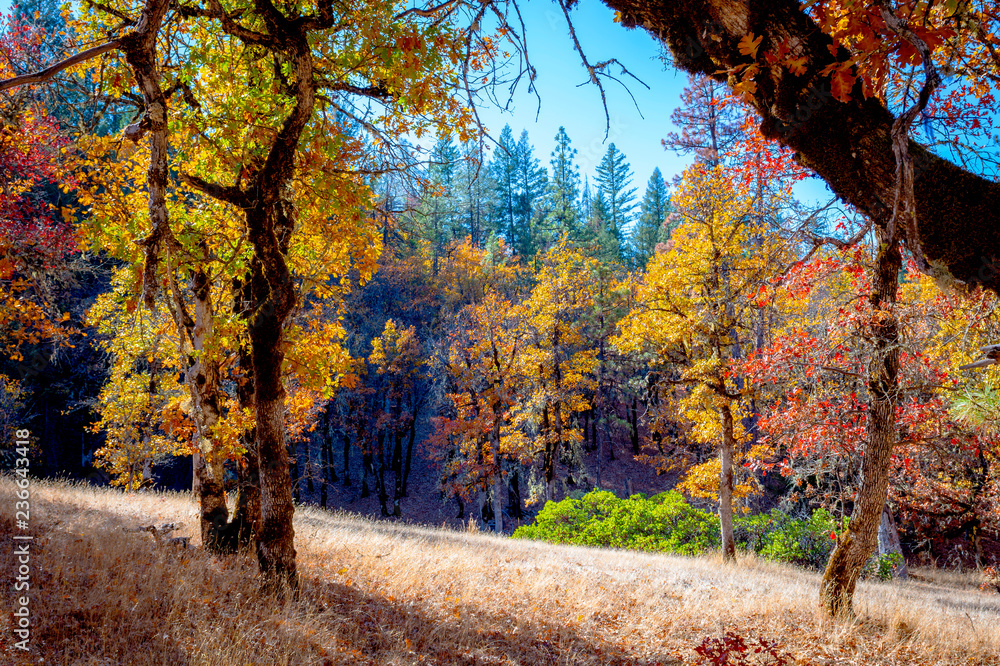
(694,312)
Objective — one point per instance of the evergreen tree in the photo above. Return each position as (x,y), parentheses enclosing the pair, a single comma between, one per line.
(503,169)
(651,227)
(586,234)
(564,217)
(600,235)
(532,185)
(614,176)
(444,164)
(441,206)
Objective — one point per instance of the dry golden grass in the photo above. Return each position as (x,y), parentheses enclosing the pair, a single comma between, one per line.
(381,593)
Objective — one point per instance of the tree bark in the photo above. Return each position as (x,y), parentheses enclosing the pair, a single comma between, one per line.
(139,47)
(245,524)
(481,509)
(379,472)
(514,496)
(634,425)
(857,543)
(275,544)
(327,467)
(726,483)
(295,471)
(202,379)
(848,143)
(195,483)
(498,484)
(498,491)
(347,460)
(411,437)
(548,459)
(600,453)
(397,461)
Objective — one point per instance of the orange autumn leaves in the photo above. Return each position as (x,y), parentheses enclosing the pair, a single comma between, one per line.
(519,369)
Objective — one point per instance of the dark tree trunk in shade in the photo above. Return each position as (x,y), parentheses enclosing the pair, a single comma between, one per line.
(295,471)
(889,544)
(246,513)
(347,460)
(378,472)
(514,496)
(327,469)
(634,424)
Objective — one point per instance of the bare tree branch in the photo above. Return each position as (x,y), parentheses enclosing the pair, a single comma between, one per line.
(430,12)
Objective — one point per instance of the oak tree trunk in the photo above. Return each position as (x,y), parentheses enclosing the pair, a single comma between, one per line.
(514,496)
(327,468)
(411,437)
(497,480)
(202,380)
(139,46)
(857,543)
(548,459)
(347,460)
(275,548)
(245,525)
(266,198)
(726,483)
(634,425)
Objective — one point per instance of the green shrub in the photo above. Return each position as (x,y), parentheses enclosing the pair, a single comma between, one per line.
(777,536)
(667,523)
(881,567)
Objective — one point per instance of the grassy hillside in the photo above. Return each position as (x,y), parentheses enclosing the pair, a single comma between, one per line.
(382,593)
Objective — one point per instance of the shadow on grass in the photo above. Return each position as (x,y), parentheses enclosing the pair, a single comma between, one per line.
(69,625)
(102,596)
(386,630)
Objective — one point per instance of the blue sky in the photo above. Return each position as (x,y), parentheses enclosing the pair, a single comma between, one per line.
(635,132)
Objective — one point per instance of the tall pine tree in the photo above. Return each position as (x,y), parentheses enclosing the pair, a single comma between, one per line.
(564,218)
(441,205)
(614,176)
(586,202)
(532,184)
(709,126)
(503,169)
(651,228)
(474,185)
